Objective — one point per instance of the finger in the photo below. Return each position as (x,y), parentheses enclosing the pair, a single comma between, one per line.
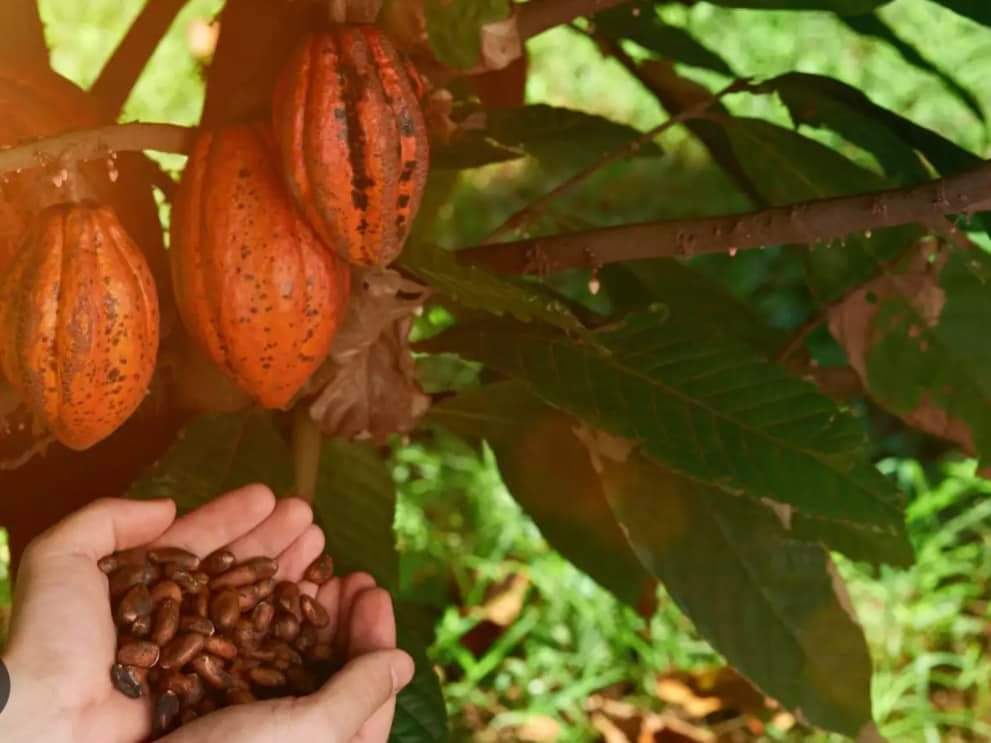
(373,628)
(273,535)
(329,596)
(336,712)
(351,586)
(221,521)
(297,556)
(104,526)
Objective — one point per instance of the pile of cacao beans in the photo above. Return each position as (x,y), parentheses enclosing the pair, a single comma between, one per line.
(198,634)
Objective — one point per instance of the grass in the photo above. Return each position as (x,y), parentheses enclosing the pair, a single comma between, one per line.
(468,549)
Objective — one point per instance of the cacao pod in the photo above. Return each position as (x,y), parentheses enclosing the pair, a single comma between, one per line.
(257,290)
(352,141)
(79,323)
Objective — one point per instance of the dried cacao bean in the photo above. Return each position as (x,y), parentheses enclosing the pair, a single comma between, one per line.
(262,617)
(166,624)
(136,603)
(286,627)
(218,562)
(221,647)
(166,589)
(139,653)
(267,677)
(181,650)
(141,627)
(225,608)
(200,625)
(287,599)
(212,671)
(186,581)
(320,570)
(182,558)
(126,680)
(167,710)
(313,612)
(126,577)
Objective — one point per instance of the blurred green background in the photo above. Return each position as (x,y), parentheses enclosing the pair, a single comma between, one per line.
(528,647)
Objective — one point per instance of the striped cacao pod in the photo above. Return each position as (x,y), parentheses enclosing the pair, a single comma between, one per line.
(79,323)
(258,292)
(352,141)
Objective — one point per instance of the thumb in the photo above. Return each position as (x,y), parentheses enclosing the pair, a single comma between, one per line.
(335,713)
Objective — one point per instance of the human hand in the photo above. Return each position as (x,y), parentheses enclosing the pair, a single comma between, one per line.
(62,636)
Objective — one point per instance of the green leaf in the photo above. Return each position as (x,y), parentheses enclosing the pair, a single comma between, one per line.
(789,168)
(649,31)
(975,10)
(765,599)
(473,151)
(421,716)
(482,290)
(454,28)
(445,372)
(217,453)
(355,505)
(842,7)
(548,471)
(708,408)
(912,362)
(872,25)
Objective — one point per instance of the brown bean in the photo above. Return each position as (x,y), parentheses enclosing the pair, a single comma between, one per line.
(166,623)
(126,680)
(175,555)
(287,598)
(262,617)
(240,696)
(166,713)
(207,706)
(265,655)
(320,570)
(270,678)
(136,603)
(225,608)
(285,652)
(218,562)
(211,670)
(132,557)
(186,581)
(175,681)
(193,623)
(307,638)
(166,589)
(141,627)
(108,564)
(126,577)
(313,612)
(140,653)
(322,651)
(202,578)
(221,647)
(286,627)
(199,604)
(181,650)
(243,634)
(247,597)
(265,588)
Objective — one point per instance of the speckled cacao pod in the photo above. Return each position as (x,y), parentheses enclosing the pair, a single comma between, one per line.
(79,323)
(352,141)
(257,290)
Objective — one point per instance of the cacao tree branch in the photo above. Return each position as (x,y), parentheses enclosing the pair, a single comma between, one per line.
(23,37)
(125,66)
(820,220)
(94,144)
(537,16)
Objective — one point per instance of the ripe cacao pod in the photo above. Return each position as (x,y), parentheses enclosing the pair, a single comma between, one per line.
(257,290)
(352,141)
(79,323)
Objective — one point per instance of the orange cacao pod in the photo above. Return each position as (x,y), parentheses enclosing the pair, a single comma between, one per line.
(79,323)
(257,290)
(352,141)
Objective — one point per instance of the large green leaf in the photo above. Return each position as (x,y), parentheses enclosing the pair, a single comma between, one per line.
(976,10)
(217,453)
(421,716)
(708,408)
(547,470)
(649,31)
(482,290)
(912,362)
(872,25)
(765,599)
(789,168)
(454,28)
(843,7)
(355,504)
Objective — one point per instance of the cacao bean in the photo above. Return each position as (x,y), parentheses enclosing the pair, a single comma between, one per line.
(167,710)
(265,588)
(307,638)
(186,581)
(200,625)
(140,653)
(183,558)
(218,562)
(124,578)
(286,627)
(240,696)
(212,671)
(199,604)
(141,627)
(166,624)
(136,603)
(322,651)
(240,575)
(221,647)
(225,608)
(320,570)
(247,597)
(108,564)
(243,633)
(264,567)
(313,612)
(181,650)
(126,680)
(287,598)
(166,589)
(267,677)
(265,655)
(262,617)
(195,692)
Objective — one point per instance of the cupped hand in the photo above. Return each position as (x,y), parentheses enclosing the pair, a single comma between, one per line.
(62,637)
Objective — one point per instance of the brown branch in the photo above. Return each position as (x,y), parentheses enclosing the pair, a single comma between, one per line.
(535,208)
(22,39)
(128,61)
(94,144)
(538,16)
(808,222)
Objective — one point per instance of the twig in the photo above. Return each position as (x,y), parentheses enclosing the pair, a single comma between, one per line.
(529,212)
(93,144)
(125,66)
(22,39)
(538,16)
(812,221)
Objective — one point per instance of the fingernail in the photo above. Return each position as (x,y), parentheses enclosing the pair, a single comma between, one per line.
(403,669)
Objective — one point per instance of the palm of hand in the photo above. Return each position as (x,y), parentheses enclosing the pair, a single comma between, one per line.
(64,616)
